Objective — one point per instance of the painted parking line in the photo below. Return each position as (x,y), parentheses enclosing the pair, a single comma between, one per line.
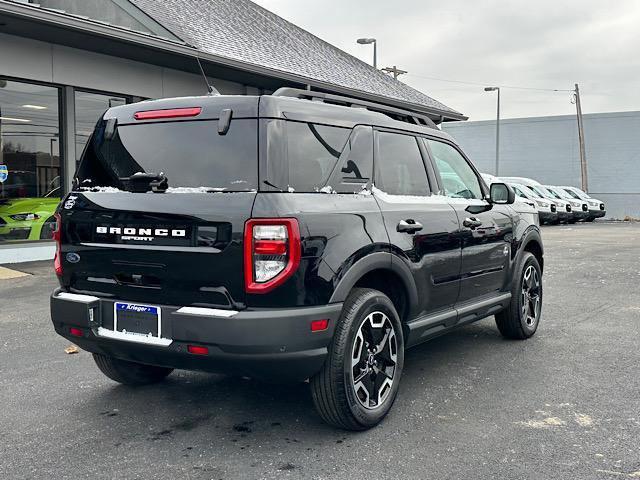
(7,273)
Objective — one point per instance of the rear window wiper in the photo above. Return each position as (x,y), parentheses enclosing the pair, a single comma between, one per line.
(142,182)
(268,183)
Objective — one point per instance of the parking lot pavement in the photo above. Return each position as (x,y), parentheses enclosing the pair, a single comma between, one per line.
(565,404)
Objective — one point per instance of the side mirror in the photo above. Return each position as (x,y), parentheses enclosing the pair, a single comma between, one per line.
(502,194)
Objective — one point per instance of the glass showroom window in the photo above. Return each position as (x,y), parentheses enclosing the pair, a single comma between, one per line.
(89,108)
(30,175)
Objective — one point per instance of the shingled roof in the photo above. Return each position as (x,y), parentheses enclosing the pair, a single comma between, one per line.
(243,31)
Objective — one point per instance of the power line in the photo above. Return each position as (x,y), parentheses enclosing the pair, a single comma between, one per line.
(395,71)
(490,83)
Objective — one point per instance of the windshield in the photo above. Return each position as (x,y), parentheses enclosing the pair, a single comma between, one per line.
(518,191)
(572,194)
(552,193)
(577,193)
(538,191)
(560,192)
(190,154)
(525,191)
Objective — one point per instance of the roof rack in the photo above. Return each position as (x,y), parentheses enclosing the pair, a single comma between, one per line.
(393,112)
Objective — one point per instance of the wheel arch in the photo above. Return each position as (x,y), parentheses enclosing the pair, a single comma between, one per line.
(532,243)
(380,272)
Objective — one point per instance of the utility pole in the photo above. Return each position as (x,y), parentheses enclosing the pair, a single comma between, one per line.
(583,154)
(496,89)
(395,71)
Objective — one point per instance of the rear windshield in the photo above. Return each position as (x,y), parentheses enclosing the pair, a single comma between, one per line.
(191,154)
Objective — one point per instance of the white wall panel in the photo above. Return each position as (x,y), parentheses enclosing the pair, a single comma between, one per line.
(80,68)
(546,149)
(24,58)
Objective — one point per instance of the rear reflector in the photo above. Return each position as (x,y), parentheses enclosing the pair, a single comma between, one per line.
(319,325)
(197,350)
(76,332)
(170,113)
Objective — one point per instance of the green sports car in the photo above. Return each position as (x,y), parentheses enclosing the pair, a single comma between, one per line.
(27,218)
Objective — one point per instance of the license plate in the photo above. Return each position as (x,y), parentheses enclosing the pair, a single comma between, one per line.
(137,319)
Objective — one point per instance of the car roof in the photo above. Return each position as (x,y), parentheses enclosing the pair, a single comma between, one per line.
(521,180)
(269,106)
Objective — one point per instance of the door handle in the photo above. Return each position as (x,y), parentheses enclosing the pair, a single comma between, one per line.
(409,226)
(472,223)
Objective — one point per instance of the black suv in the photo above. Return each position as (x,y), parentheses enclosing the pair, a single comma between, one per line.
(285,237)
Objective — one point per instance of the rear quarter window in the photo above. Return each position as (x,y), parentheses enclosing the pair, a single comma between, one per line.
(313,151)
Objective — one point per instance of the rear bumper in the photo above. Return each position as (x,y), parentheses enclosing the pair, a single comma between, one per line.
(275,345)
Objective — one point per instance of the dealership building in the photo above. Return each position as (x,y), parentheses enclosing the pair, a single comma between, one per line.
(64,62)
(546,149)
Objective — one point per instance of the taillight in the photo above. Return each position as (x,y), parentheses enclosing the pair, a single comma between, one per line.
(57,236)
(271,252)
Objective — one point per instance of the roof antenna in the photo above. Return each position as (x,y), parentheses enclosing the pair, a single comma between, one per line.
(210,89)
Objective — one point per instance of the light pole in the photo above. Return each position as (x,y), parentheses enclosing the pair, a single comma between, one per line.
(496,89)
(367,41)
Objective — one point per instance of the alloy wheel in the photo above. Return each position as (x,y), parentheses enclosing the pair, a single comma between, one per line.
(374,360)
(530,297)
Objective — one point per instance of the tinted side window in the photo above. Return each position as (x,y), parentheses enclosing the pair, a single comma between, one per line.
(399,166)
(458,178)
(358,158)
(313,151)
(354,170)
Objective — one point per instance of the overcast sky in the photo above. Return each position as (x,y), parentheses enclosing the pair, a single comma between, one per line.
(539,44)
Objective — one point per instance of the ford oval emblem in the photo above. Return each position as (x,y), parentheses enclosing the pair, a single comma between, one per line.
(73,257)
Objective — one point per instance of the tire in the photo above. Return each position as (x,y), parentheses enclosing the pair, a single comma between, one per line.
(590,219)
(130,373)
(516,322)
(341,396)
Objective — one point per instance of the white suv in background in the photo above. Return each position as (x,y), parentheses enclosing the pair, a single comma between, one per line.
(522,204)
(579,208)
(596,207)
(547,210)
(564,209)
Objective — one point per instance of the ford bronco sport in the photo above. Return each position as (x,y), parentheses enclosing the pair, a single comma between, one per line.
(285,239)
